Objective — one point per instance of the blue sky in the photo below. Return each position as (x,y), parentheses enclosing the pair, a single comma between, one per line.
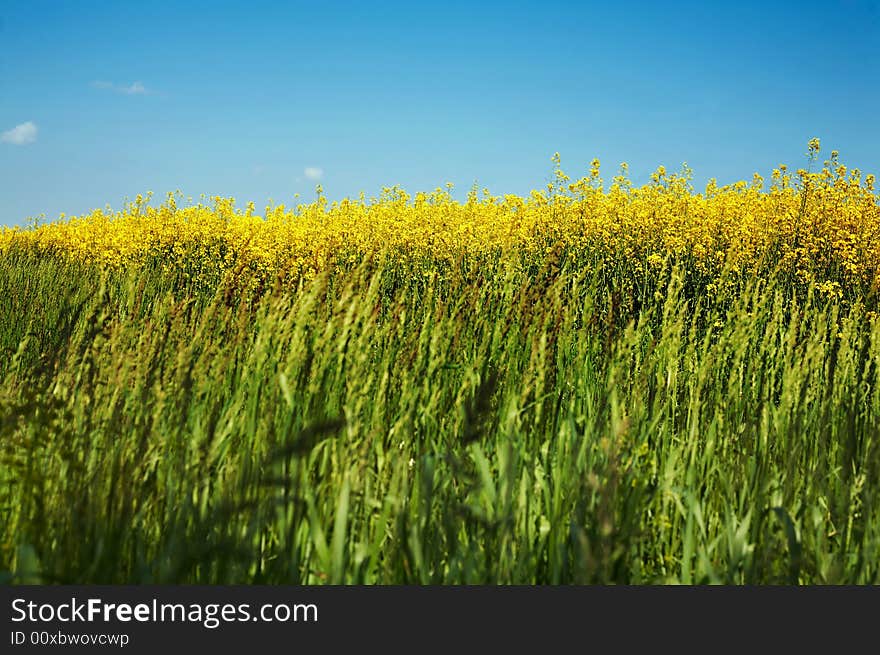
(259,100)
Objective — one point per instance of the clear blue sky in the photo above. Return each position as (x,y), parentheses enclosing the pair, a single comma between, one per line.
(101,101)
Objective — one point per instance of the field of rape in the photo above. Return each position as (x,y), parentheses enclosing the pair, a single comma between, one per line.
(597,383)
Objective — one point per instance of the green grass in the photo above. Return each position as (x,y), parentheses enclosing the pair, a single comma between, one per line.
(486,424)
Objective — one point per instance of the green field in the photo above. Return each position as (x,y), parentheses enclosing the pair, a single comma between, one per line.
(482,424)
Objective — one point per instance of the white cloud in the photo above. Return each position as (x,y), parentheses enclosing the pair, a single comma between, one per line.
(133,89)
(313,173)
(20,134)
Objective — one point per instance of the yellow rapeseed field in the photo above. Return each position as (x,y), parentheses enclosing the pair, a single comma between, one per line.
(821,226)
(597,383)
